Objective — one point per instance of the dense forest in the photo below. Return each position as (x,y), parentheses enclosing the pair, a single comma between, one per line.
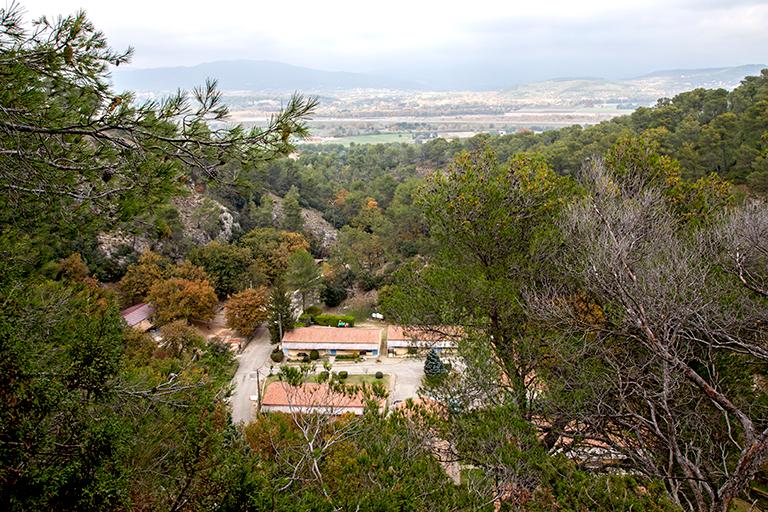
(609,284)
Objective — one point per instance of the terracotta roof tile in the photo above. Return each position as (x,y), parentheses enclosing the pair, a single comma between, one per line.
(309,394)
(437,333)
(333,335)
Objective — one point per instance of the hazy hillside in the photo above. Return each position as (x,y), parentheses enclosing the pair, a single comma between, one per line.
(643,89)
(250,75)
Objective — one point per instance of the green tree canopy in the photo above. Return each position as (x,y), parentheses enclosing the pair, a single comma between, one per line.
(231,268)
(303,274)
(292,219)
(76,156)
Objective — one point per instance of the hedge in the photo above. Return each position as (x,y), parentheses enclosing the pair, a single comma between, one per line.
(333,320)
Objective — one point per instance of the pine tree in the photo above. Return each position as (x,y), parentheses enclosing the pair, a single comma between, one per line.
(280,312)
(77,154)
(292,219)
(303,275)
(261,216)
(433,366)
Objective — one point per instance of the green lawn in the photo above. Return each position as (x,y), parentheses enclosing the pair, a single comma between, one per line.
(374,138)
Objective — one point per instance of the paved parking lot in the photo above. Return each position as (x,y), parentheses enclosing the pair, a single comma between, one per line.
(254,363)
(406,373)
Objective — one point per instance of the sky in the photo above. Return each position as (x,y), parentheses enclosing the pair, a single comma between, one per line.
(480,42)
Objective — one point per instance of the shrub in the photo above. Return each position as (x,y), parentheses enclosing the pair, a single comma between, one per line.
(314,355)
(412,350)
(277,356)
(333,294)
(379,375)
(305,359)
(369,281)
(343,375)
(323,376)
(313,310)
(306,319)
(333,320)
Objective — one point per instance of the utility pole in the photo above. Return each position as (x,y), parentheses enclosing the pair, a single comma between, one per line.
(258,389)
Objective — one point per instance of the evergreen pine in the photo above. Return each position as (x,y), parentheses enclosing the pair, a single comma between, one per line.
(433,366)
(280,314)
(292,219)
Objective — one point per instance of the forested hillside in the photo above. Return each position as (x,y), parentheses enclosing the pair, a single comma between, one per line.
(607,286)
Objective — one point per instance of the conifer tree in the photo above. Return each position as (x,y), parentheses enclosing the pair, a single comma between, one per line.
(280,312)
(433,366)
(292,219)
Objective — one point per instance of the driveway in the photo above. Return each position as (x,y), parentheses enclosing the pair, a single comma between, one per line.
(253,367)
(406,372)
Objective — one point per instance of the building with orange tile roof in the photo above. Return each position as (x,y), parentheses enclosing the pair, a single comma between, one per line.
(400,339)
(312,397)
(332,341)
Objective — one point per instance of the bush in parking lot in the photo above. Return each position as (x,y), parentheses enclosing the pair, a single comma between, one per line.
(379,375)
(343,375)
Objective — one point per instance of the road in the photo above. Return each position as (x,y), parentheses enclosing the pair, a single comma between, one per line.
(253,359)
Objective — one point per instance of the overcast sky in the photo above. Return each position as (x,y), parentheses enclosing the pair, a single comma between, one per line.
(493,41)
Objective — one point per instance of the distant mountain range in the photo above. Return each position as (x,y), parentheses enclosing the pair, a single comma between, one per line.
(262,75)
(251,75)
(641,89)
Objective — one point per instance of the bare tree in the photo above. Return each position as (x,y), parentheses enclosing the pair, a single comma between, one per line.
(319,413)
(660,347)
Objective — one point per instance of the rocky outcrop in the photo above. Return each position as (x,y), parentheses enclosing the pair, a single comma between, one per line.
(314,223)
(204,219)
(200,220)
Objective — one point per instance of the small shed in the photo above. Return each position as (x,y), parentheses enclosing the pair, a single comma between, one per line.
(139,316)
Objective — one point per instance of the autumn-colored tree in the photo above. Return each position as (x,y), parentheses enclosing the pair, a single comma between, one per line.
(179,338)
(190,271)
(139,278)
(73,267)
(177,298)
(247,310)
(271,249)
